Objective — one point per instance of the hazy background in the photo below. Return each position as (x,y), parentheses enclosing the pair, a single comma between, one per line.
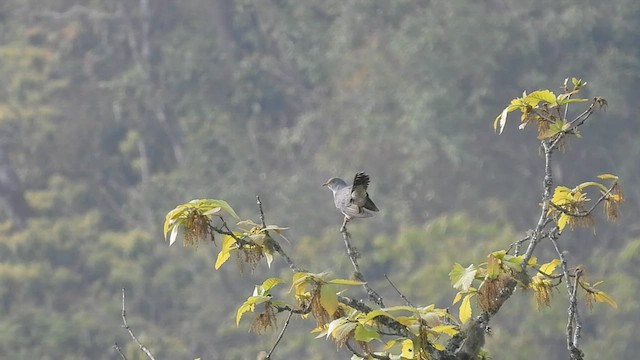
(114,111)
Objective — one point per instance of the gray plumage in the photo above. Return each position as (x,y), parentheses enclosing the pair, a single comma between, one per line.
(352,200)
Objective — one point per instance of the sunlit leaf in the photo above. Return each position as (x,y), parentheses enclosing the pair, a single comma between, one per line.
(465,309)
(373,314)
(541,95)
(345,282)
(493,267)
(608,177)
(328,298)
(270,283)
(407,349)
(228,243)
(174,235)
(335,324)
(243,309)
(562,221)
(461,277)
(601,296)
(549,267)
(366,333)
(445,329)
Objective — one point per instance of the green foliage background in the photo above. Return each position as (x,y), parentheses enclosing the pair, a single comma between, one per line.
(109,118)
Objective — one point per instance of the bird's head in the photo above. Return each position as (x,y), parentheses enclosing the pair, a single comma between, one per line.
(335,184)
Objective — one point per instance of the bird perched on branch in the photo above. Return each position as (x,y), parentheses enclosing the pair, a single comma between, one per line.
(352,200)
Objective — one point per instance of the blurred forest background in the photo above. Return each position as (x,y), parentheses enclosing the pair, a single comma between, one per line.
(114,111)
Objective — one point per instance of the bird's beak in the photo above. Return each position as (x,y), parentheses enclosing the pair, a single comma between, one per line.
(325,184)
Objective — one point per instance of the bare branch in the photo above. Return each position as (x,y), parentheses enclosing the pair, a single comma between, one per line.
(353,255)
(261,211)
(573,319)
(143,348)
(546,197)
(284,328)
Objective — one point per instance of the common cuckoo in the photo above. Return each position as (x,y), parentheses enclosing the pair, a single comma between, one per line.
(352,200)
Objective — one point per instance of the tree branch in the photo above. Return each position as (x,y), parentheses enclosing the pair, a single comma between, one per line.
(133,336)
(284,328)
(573,318)
(353,255)
(117,348)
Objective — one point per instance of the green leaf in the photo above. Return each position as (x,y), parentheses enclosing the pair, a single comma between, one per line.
(366,333)
(461,278)
(465,308)
(328,298)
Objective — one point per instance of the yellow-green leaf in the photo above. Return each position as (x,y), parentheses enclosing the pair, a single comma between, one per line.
(465,308)
(373,314)
(608,177)
(550,266)
(270,283)
(345,282)
(366,333)
(461,278)
(457,297)
(601,296)
(541,95)
(445,329)
(562,221)
(328,298)
(493,267)
(228,243)
(407,349)
(243,309)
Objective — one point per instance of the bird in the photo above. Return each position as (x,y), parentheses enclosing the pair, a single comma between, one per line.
(352,200)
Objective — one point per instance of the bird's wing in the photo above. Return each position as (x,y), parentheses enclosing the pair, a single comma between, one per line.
(369,205)
(361,179)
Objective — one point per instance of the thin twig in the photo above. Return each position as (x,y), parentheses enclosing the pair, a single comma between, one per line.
(143,348)
(264,225)
(117,348)
(398,291)
(284,328)
(353,255)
